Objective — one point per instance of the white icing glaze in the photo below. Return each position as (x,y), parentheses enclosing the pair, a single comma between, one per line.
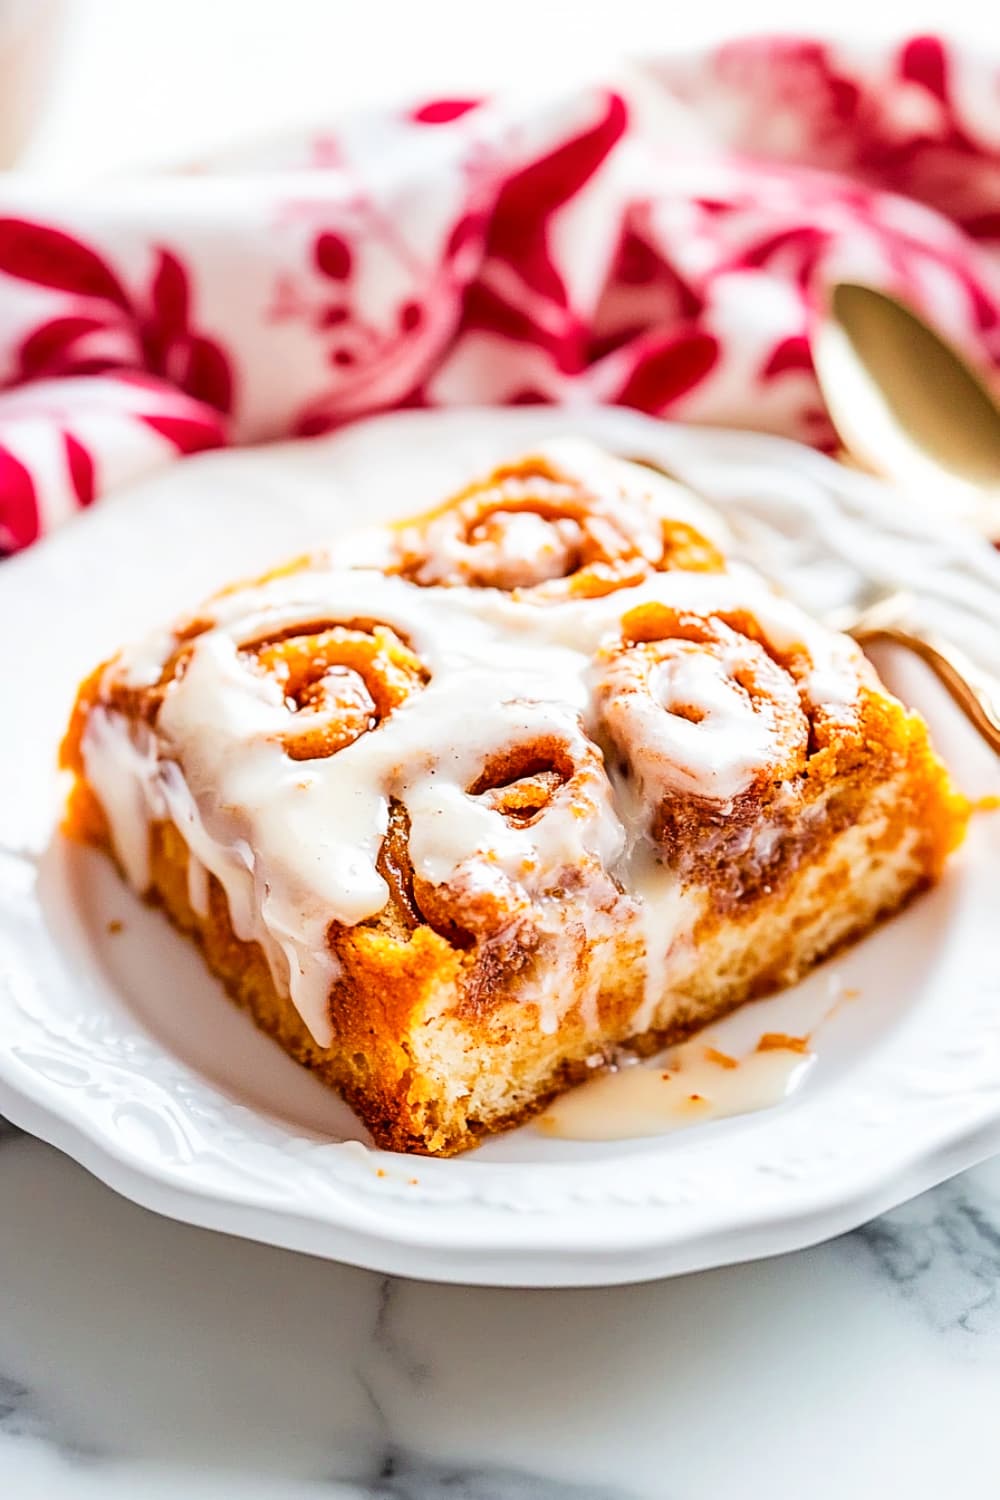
(718,755)
(512,548)
(745,1063)
(197,878)
(666,916)
(122,771)
(619,481)
(295,843)
(687,1086)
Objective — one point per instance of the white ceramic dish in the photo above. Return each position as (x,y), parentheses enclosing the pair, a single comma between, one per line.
(115,1048)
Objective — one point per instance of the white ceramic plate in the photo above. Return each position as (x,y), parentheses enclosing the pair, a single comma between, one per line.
(118,1048)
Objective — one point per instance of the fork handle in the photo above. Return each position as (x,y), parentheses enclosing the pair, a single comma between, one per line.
(977,694)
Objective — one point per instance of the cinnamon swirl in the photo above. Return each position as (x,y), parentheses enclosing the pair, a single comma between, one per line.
(570,522)
(459,807)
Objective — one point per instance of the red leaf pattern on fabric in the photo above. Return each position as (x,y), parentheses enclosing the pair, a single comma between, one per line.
(443,111)
(801,249)
(170,296)
(469,229)
(984,226)
(923,61)
(47,349)
(186,434)
(208,376)
(638,262)
(486,310)
(19,519)
(985,308)
(49,257)
(411,315)
(793,353)
(333,256)
(669,370)
(81,469)
(333,317)
(314,424)
(519,229)
(198,365)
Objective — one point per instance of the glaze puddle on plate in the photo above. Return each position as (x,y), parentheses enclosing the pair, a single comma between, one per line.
(719,1072)
(689,1085)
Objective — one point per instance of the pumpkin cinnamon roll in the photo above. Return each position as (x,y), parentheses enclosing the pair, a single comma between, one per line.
(338,681)
(525,891)
(460,810)
(750,750)
(564,523)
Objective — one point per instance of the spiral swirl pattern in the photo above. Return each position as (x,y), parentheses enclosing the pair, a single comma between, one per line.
(539,531)
(717,727)
(699,705)
(339,681)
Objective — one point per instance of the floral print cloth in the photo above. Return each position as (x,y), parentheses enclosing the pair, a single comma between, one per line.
(663,242)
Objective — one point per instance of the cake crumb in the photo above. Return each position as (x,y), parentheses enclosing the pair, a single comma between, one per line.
(414,1182)
(380,1172)
(721,1059)
(780,1041)
(114,926)
(987,804)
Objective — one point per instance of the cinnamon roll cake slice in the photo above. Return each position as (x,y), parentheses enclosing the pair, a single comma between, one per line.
(462,807)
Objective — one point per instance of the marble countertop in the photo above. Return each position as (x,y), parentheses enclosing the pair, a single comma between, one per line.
(144,1360)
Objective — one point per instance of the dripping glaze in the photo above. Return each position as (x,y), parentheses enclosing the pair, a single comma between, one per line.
(689,1085)
(295,843)
(749,1061)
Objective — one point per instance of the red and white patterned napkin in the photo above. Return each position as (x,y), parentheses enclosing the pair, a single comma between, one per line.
(662,243)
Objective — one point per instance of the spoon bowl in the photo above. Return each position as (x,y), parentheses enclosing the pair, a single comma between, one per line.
(907,405)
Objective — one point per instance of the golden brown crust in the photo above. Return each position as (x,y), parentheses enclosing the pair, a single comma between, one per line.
(433,1046)
(415,1025)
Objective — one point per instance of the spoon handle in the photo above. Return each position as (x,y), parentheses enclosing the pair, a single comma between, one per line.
(976,693)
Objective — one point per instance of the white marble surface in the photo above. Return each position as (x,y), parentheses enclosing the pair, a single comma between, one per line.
(143,1360)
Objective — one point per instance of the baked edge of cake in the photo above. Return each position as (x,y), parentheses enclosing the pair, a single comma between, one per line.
(383,1065)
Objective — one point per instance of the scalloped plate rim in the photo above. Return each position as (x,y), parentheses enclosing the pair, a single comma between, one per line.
(423,1240)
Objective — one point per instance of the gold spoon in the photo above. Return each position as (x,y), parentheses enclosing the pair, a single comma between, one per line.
(907,405)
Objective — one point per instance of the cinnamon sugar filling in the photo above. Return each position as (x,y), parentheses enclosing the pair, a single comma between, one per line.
(342,679)
(531,529)
(675,681)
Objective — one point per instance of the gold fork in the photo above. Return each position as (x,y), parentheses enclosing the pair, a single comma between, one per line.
(891,618)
